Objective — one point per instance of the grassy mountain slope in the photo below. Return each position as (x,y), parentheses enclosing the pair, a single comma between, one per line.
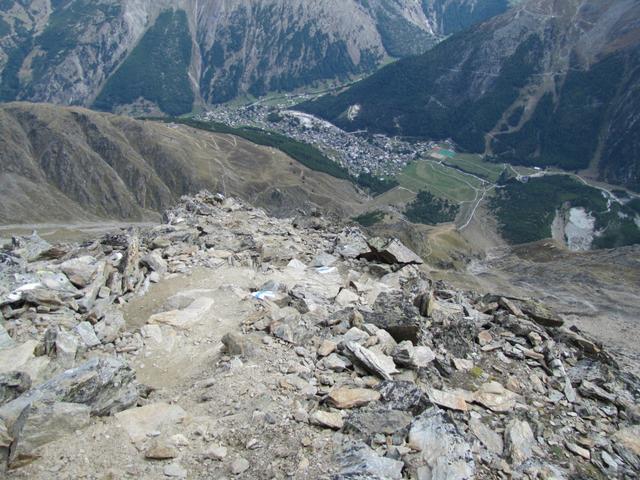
(71,164)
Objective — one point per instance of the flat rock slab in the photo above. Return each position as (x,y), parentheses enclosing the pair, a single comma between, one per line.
(138,422)
(352,397)
(487,436)
(392,252)
(42,423)
(333,420)
(448,400)
(186,318)
(495,397)
(378,364)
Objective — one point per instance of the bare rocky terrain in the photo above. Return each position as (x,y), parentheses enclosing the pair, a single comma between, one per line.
(226,343)
(595,291)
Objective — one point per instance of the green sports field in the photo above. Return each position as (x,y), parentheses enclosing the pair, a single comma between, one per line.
(441,181)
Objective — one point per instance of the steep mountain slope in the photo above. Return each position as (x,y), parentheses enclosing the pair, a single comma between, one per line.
(70,164)
(547,83)
(73,52)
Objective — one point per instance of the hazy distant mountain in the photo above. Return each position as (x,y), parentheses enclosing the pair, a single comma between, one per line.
(169,54)
(546,83)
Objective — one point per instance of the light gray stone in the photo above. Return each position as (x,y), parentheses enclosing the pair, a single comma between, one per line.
(335,362)
(519,441)
(490,439)
(109,328)
(87,334)
(66,346)
(81,271)
(442,446)
(378,364)
(357,460)
(392,251)
(175,470)
(42,423)
(240,465)
(155,262)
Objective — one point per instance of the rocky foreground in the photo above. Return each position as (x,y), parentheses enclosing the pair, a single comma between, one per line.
(228,344)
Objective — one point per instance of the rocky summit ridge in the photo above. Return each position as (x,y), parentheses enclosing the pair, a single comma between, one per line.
(225,343)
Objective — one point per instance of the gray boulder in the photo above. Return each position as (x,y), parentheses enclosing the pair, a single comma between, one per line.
(42,297)
(106,385)
(29,248)
(520,441)
(351,243)
(376,363)
(359,461)
(155,262)
(12,385)
(392,252)
(80,271)
(445,452)
(403,395)
(394,314)
(5,340)
(109,328)
(87,334)
(368,423)
(41,423)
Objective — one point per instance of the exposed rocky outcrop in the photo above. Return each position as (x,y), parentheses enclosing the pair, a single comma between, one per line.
(261,371)
(75,52)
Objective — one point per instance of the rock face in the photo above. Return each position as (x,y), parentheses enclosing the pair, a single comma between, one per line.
(210,51)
